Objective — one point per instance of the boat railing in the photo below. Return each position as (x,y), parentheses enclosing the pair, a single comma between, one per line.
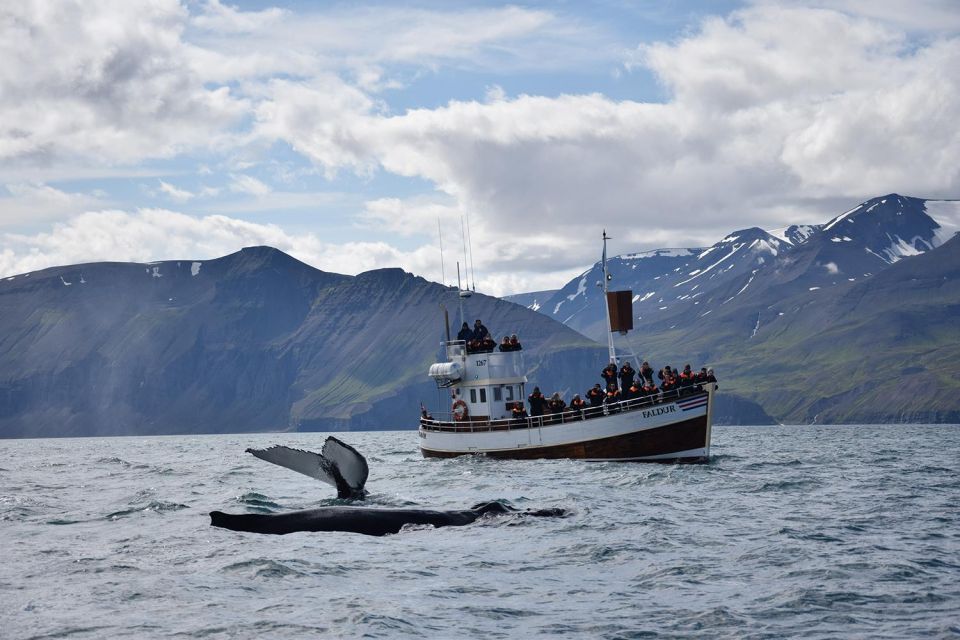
(564,417)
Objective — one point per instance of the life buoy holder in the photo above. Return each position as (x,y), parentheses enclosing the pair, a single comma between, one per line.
(460,411)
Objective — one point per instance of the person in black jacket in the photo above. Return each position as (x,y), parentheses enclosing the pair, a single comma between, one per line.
(479,331)
(626,375)
(646,372)
(595,395)
(465,334)
(537,402)
(609,374)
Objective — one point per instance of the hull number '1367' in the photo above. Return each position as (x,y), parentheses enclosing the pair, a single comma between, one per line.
(481,363)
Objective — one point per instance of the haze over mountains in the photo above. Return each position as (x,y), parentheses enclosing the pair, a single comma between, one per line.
(796,320)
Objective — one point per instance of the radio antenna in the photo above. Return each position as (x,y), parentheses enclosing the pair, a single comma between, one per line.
(473,273)
(443,275)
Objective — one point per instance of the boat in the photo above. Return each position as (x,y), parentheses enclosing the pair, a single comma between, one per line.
(668,427)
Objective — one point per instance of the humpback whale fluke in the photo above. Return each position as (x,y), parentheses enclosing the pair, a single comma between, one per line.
(337,464)
(365,520)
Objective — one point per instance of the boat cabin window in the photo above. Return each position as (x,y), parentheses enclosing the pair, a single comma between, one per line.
(509,390)
(483,395)
(473,396)
(497,394)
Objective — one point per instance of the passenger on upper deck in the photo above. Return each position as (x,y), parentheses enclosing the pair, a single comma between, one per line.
(505,344)
(487,345)
(613,394)
(595,395)
(514,343)
(635,390)
(646,372)
(518,412)
(577,404)
(465,334)
(609,374)
(626,375)
(710,376)
(479,331)
(537,402)
(686,379)
(556,404)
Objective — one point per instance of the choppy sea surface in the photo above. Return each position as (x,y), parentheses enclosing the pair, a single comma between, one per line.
(813,532)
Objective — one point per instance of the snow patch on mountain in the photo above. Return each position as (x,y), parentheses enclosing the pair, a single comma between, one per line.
(946,213)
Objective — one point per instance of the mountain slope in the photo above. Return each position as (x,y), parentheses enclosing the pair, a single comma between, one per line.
(253,341)
(770,313)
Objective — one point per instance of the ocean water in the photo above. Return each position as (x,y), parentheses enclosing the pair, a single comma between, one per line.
(812,532)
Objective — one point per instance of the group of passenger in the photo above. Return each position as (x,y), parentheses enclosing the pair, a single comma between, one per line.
(622,384)
(478,339)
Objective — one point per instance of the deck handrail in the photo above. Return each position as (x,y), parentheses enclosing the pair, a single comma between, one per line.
(566,416)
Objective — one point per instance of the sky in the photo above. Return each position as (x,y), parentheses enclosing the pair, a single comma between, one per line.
(357,136)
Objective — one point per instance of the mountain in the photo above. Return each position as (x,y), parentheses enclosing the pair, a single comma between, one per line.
(759,306)
(530,300)
(252,341)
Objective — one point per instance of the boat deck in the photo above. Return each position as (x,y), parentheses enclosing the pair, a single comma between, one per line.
(481,424)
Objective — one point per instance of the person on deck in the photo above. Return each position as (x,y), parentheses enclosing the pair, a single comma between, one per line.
(537,402)
(646,372)
(465,333)
(518,412)
(626,375)
(686,379)
(505,344)
(711,377)
(595,395)
(609,374)
(650,390)
(612,396)
(556,405)
(515,343)
(487,345)
(634,392)
(479,331)
(577,405)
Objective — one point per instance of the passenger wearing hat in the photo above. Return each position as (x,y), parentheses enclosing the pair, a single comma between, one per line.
(595,395)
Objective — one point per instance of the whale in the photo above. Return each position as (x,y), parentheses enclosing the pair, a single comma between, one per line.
(365,520)
(337,464)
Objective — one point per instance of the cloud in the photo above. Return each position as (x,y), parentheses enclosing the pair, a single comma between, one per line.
(176,194)
(149,235)
(29,203)
(773,112)
(243,183)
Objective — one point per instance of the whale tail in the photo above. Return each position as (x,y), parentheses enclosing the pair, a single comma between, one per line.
(337,464)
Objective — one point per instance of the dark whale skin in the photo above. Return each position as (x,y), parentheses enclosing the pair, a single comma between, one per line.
(365,520)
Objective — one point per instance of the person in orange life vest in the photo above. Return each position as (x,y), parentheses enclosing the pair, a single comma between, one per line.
(635,391)
(613,394)
(595,396)
(626,375)
(537,402)
(646,372)
(650,389)
(609,374)
(686,379)
(519,413)
(515,343)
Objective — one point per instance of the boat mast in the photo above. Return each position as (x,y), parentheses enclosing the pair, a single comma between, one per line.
(606,302)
